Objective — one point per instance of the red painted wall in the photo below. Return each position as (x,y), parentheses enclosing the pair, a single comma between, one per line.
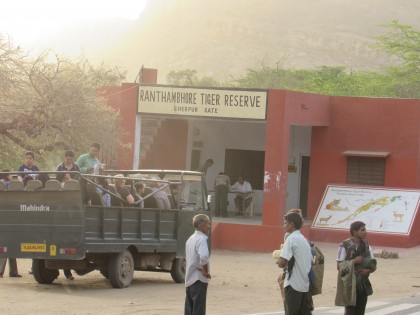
(169,148)
(255,238)
(367,124)
(370,124)
(339,124)
(286,108)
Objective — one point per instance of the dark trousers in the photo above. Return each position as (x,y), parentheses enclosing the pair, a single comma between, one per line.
(67,273)
(13,271)
(295,302)
(361,301)
(195,299)
(220,204)
(242,204)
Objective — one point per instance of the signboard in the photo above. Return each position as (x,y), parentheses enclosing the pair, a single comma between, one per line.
(382,210)
(204,102)
(33,248)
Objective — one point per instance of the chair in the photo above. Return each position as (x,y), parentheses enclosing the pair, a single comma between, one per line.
(16,185)
(52,184)
(245,206)
(71,184)
(33,185)
(251,205)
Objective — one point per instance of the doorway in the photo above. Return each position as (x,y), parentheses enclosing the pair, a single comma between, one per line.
(304,184)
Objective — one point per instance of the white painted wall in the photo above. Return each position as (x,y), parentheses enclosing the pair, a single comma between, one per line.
(300,145)
(217,136)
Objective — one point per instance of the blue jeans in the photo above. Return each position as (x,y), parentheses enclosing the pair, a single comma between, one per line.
(195,299)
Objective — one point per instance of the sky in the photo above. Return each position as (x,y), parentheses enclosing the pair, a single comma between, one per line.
(28,22)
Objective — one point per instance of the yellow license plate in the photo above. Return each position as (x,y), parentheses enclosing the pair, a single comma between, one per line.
(33,248)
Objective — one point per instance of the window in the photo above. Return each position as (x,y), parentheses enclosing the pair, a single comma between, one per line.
(365,170)
(249,164)
(195,159)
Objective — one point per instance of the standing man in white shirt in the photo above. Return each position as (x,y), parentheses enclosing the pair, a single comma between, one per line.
(197,274)
(244,197)
(296,255)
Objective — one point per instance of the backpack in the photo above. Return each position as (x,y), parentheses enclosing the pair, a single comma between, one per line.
(316,274)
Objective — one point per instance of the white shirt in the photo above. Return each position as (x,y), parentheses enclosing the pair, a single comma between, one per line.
(341,255)
(296,245)
(164,197)
(196,255)
(244,188)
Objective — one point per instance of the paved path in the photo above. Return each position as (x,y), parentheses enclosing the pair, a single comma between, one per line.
(409,306)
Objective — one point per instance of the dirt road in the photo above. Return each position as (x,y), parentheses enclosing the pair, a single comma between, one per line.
(242,283)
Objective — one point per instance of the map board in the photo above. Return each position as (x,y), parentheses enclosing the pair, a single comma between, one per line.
(382,210)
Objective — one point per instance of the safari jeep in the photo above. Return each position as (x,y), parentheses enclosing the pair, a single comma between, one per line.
(51,224)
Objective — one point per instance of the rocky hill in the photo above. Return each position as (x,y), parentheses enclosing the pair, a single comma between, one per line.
(222,38)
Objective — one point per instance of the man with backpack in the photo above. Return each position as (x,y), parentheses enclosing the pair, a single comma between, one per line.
(297,256)
(354,263)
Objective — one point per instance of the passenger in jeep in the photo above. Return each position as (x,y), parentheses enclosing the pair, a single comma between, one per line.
(119,182)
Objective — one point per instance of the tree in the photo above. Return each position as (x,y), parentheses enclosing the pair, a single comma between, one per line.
(402,80)
(403,42)
(51,103)
(188,77)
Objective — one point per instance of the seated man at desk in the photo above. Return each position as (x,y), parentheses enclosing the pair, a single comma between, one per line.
(244,195)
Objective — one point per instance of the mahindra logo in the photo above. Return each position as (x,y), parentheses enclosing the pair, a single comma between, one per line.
(41,208)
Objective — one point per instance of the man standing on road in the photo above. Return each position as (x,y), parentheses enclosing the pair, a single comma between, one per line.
(221,190)
(355,260)
(296,255)
(197,267)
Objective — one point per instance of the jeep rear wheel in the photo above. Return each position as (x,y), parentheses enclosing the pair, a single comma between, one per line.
(178,270)
(121,269)
(41,274)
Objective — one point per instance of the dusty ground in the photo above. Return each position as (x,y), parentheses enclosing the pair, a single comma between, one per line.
(242,283)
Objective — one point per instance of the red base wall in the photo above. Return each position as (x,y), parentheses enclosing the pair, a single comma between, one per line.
(374,239)
(249,238)
(263,238)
